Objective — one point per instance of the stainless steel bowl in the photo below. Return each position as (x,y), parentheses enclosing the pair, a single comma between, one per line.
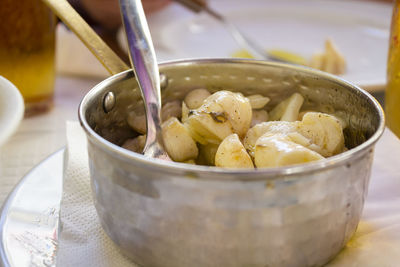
(171,214)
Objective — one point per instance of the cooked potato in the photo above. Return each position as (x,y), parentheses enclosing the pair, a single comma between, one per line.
(177,141)
(287,110)
(195,98)
(258,101)
(232,154)
(338,115)
(135,144)
(221,114)
(171,109)
(137,121)
(324,130)
(209,127)
(275,150)
(300,139)
(259,116)
(237,109)
(185,112)
(258,130)
(213,126)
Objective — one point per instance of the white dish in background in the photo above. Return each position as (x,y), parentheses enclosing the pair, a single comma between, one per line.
(359,28)
(11,109)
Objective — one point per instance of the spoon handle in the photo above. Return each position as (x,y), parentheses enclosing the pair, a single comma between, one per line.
(93,42)
(144,62)
(194,5)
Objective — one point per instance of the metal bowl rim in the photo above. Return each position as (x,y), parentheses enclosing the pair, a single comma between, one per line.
(225,173)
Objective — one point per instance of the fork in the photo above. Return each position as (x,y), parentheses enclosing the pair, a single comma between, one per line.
(241,39)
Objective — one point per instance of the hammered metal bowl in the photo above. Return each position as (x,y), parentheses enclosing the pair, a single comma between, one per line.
(171,214)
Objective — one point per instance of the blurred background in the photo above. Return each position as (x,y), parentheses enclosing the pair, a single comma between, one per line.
(359,29)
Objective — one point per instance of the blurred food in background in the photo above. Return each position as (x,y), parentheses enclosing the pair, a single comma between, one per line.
(330,60)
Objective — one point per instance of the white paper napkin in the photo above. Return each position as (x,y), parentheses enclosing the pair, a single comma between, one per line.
(82,242)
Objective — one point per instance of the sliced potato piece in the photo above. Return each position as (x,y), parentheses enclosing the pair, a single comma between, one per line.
(257,101)
(221,114)
(275,150)
(135,144)
(232,154)
(287,110)
(195,98)
(236,107)
(259,116)
(137,121)
(177,141)
(338,115)
(300,139)
(209,127)
(258,130)
(185,112)
(324,130)
(171,109)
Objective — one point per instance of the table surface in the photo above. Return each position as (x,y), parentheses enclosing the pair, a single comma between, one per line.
(40,136)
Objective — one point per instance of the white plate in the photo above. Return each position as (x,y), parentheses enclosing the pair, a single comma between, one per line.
(359,28)
(29,217)
(11,109)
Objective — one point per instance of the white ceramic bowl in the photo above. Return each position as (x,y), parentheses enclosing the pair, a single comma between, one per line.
(11,109)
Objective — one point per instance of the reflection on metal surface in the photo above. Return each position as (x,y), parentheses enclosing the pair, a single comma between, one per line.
(29,218)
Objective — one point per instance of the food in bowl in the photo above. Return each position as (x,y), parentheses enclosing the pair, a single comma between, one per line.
(227,129)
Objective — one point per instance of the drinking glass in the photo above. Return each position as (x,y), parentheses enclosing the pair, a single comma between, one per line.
(392,94)
(27,48)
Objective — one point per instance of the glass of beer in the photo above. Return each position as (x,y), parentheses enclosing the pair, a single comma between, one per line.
(392,94)
(27,49)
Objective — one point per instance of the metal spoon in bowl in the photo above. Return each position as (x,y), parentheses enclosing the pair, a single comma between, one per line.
(144,64)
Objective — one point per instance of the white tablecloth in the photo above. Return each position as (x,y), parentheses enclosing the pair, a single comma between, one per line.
(377,240)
